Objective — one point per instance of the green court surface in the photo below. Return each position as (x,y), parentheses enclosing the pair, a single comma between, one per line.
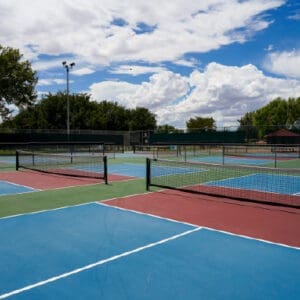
(43,200)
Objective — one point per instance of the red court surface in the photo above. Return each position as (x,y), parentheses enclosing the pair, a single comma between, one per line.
(270,223)
(44,181)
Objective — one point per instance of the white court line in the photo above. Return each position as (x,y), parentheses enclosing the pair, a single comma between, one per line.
(21,185)
(146,214)
(98,263)
(46,210)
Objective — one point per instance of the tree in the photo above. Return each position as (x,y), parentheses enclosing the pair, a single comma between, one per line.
(279,113)
(247,125)
(17,81)
(166,128)
(110,116)
(141,119)
(51,113)
(198,123)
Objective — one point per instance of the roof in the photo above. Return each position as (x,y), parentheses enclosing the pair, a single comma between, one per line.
(283,132)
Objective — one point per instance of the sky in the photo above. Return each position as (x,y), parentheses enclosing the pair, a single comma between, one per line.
(180,59)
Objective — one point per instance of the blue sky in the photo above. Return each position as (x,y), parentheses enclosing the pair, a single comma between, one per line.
(180,58)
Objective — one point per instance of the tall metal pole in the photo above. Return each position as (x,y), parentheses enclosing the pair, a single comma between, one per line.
(68,67)
(68,103)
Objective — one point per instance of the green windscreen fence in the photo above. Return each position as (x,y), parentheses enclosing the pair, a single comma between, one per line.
(197,137)
(40,137)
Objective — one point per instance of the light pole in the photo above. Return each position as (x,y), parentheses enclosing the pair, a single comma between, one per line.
(68,67)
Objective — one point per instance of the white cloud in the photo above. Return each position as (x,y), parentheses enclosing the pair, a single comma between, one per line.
(86,29)
(45,82)
(135,70)
(186,63)
(43,65)
(269,48)
(223,92)
(112,91)
(83,71)
(284,63)
(162,89)
(295,16)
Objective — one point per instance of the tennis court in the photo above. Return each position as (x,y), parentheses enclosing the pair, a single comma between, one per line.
(281,184)
(161,244)
(139,170)
(249,183)
(232,160)
(112,253)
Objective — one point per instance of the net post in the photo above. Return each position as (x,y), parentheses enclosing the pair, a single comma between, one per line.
(223,154)
(17,160)
(105,169)
(148,165)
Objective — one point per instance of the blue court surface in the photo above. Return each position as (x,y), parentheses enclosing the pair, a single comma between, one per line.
(94,251)
(8,159)
(128,169)
(281,184)
(7,188)
(232,160)
(139,170)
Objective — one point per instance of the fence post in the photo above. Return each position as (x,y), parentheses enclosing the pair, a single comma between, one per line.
(105,169)
(148,174)
(32,156)
(17,160)
(223,154)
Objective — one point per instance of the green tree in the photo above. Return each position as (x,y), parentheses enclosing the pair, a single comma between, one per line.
(293,111)
(199,123)
(51,113)
(166,128)
(17,81)
(247,125)
(141,118)
(272,116)
(279,113)
(110,116)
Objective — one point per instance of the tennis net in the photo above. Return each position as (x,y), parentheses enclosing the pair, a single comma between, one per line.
(92,166)
(249,183)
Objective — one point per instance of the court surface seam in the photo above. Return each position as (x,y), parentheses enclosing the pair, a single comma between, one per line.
(98,263)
